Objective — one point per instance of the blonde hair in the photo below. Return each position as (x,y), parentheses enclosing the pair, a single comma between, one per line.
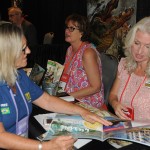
(144,26)
(10,49)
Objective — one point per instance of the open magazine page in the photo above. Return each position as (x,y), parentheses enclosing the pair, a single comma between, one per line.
(63,124)
(118,124)
(136,134)
(74,125)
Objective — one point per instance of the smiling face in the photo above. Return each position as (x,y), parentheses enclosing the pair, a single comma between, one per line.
(22,59)
(140,49)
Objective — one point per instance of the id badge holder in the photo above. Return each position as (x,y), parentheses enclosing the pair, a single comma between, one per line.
(147,83)
(22,127)
(63,81)
(130,113)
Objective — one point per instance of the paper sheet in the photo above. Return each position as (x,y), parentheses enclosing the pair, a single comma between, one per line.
(68,98)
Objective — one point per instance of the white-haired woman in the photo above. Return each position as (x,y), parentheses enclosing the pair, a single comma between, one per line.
(130,95)
(18,92)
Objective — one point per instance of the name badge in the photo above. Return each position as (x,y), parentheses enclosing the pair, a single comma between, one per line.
(22,127)
(63,81)
(147,83)
(130,113)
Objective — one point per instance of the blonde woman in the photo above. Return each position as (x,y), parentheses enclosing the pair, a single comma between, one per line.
(18,92)
(130,95)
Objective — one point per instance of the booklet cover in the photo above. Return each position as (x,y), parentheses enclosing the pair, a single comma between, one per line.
(62,124)
(37,74)
(54,71)
(52,76)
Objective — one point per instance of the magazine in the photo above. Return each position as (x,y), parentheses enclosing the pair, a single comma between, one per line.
(62,124)
(54,71)
(37,74)
(52,77)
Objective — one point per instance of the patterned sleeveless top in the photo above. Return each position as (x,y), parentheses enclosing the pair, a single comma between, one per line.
(78,78)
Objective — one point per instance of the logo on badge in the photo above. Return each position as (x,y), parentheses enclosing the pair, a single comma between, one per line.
(147,83)
(28,96)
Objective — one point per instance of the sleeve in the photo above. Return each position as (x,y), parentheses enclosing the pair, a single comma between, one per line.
(28,86)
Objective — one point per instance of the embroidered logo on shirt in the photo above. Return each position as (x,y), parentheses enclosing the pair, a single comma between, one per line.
(5,110)
(28,96)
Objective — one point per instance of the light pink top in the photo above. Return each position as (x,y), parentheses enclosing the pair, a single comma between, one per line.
(78,78)
(141,102)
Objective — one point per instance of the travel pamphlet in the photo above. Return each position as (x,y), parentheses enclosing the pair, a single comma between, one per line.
(54,71)
(62,124)
(52,76)
(37,74)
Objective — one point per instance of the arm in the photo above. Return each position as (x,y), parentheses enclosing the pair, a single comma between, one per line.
(114,102)
(58,105)
(12,141)
(90,64)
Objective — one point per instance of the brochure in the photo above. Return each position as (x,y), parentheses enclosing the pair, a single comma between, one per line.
(37,74)
(62,124)
(54,71)
(52,76)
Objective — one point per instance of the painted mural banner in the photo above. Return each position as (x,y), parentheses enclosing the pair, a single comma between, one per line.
(110,21)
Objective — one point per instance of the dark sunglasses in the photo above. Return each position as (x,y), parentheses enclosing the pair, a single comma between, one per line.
(23,50)
(71,29)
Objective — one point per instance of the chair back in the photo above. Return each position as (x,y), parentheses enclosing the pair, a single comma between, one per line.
(109,71)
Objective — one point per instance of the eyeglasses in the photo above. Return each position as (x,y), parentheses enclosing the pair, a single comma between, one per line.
(71,29)
(23,50)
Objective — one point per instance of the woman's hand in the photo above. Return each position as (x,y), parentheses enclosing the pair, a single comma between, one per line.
(60,143)
(120,110)
(92,118)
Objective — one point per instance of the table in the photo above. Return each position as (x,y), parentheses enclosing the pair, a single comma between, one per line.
(35,129)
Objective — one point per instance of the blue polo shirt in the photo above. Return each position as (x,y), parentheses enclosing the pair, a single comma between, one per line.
(7,108)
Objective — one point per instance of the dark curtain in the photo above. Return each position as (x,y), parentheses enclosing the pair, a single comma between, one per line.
(50,15)
(4,5)
(47,15)
(55,12)
(143,9)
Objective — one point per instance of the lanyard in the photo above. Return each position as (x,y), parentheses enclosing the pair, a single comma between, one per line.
(71,58)
(135,92)
(12,96)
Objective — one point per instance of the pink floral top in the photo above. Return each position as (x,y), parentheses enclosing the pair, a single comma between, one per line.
(78,78)
(141,101)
